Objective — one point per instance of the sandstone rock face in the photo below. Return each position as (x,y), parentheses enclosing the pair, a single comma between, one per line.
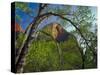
(57,32)
(18,28)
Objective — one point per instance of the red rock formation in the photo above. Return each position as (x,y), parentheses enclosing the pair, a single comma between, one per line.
(18,28)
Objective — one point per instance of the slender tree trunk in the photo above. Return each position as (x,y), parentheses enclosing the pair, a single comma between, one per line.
(60,55)
(83,60)
(20,59)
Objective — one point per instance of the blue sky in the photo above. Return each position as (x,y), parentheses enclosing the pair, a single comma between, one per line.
(26,19)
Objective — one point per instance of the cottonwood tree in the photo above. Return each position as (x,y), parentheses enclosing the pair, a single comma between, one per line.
(87,25)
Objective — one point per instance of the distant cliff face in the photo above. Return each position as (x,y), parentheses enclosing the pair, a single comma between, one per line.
(57,32)
(18,28)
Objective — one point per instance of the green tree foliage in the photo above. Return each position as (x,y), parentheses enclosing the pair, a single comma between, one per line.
(44,56)
(86,21)
(19,40)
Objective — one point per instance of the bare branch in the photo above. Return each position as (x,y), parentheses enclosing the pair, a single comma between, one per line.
(41,8)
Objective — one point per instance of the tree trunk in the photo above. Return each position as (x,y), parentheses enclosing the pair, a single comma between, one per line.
(20,59)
